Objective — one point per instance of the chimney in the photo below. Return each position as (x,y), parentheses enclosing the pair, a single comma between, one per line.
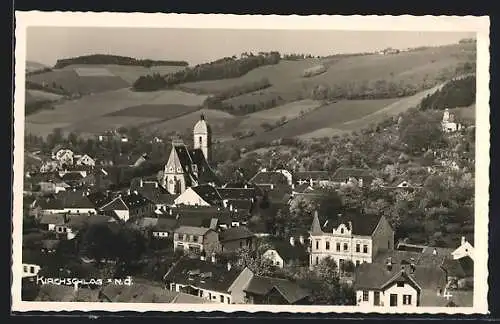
(245,186)
(202,257)
(388,264)
(434,252)
(170,211)
(292,241)
(128,191)
(339,215)
(412,268)
(463,240)
(311,182)
(229,266)
(301,239)
(350,225)
(141,183)
(156,184)
(213,259)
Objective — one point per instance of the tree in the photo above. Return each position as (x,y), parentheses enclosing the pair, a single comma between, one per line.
(253,260)
(420,133)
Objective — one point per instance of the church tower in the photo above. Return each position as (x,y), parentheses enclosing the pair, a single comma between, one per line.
(203,137)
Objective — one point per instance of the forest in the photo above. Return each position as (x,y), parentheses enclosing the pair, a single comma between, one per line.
(229,67)
(115,59)
(456,93)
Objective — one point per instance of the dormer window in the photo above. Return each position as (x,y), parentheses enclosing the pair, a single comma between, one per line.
(342,230)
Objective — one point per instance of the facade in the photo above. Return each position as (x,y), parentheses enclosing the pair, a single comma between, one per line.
(203,195)
(235,238)
(196,239)
(353,236)
(63,155)
(216,282)
(190,167)
(287,254)
(132,206)
(85,160)
(449,125)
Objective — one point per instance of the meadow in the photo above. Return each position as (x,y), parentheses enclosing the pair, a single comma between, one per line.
(32,96)
(165,111)
(88,110)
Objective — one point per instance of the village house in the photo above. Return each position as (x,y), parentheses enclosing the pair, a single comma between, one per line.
(235,238)
(351,176)
(64,156)
(190,167)
(292,253)
(202,195)
(196,239)
(152,190)
(31,264)
(49,166)
(272,178)
(164,227)
(449,124)
(208,279)
(465,249)
(85,159)
(49,246)
(49,222)
(312,178)
(211,217)
(351,236)
(459,272)
(275,291)
(130,206)
(76,202)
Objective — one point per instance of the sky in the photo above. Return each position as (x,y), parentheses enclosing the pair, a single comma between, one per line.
(48,44)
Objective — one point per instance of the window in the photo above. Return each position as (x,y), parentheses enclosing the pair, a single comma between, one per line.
(317,245)
(327,246)
(406,299)
(365,295)
(401,284)
(376,298)
(393,300)
(342,230)
(25,268)
(228,300)
(32,269)
(365,248)
(357,263)
(338,246)
(195,239)
(345,246)
(358,248)
(200,139)
(221,298)
(317,260)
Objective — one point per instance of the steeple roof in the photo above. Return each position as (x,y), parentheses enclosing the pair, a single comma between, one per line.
(201,127)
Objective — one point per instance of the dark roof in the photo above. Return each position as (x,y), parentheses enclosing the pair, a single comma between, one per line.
(418,258)
(205,173)
(341,174)
(32,257)
(314,175)
(287,252)
(460,268)
(208,193)
(138,293)
(362,224)
(291,291)
(135,200)
(54,219)
(376,276)
(75,199)
(80,221)
(152,191)
(241,204)
(49,203)
(203,274)
(236,193)
(62,293)
(98,198)
(116,203)
(165,224)
(235,233)
(50,244)
(269,177)
(201,216)
(72,176)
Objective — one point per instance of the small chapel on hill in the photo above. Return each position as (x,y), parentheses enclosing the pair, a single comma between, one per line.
(189,167)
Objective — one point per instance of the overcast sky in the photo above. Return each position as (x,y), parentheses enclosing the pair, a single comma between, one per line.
(47,44)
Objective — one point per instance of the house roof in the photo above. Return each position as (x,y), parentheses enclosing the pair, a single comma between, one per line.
(292,292)
(165,224)
(235,233)
(53,219)
(241,204)
(201,216)
(48,203)
(50,244)
(288,252)
(152,191)
(203,274)
(80,221)
(362,224)
(61,293)
(30,256)
(192,230)
(138,293)
(208,193)
(461,268)
(135,200)
(72,176)
(314,175)
(98,198)
(418,258)
(341,174)
(75,199)
(237,193)
(376,276)
(269,177)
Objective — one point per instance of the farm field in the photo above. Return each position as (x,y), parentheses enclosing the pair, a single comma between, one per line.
(105,123)
(465,113)
(88,108)
(165,111)
(32,96)
(32,66)
(290,111)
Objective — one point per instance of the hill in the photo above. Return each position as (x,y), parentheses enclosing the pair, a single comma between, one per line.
(32,66)
(105,59)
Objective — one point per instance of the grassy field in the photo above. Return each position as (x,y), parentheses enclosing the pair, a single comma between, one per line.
(34,66)
(87,109)
(32,96)
(465,113)
(86,79)
(165,111)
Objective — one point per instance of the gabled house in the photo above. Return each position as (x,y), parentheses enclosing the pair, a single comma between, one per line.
(272,178)
(235,238)
(31,263)
(63,155)
(465,249)
(275,291)
(164,227)
(131,206)
(287,253)
(50,222)
(154,192)
(202,195)
(76,202)
(350,236)
(196,239)
(352,176)
(399,285)
(73,179)
(85,160)
(459,272)
(49,166)
(216,282)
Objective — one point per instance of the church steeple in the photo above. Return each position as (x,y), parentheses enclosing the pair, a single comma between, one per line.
(202,137)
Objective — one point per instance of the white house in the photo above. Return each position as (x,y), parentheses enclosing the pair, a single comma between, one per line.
(85,160)
(448,123)
(64,156)
(203,195)
(353,236)
(402,286)
(465,249)
(283,253)
(30,264)
(196,239)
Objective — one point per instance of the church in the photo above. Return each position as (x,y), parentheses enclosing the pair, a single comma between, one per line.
(189,167)
(449,123)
